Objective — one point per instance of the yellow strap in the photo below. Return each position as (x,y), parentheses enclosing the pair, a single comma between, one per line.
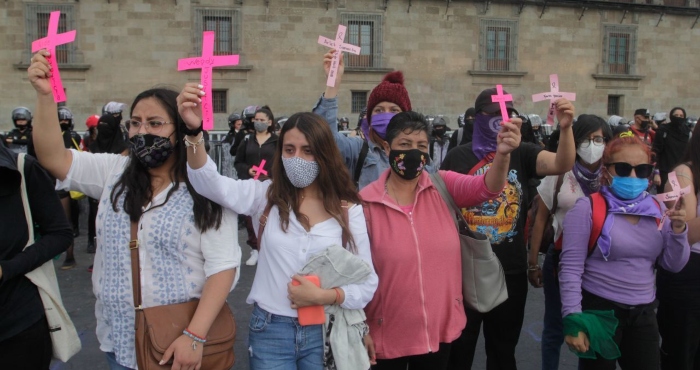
(76,144)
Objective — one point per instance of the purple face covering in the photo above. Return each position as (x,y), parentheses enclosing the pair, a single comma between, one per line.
(380,122)
(364,126)
(589,181)
(643,205)
(486,130)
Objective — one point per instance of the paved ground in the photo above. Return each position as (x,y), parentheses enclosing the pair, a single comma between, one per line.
(76,288)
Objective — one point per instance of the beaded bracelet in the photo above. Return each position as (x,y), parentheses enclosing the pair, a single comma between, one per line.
(194,145)
(194,336)
(337,296)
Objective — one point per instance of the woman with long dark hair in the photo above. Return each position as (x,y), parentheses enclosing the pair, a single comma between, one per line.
(679,293)
(185,246)
(302,213)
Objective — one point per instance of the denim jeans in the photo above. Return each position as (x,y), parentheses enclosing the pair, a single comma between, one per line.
(113,364)
(553,330)
(280,343)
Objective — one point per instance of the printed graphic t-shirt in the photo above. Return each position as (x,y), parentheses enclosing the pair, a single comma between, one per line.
(501,219)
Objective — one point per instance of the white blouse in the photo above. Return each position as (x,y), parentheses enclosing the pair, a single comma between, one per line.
(569,193)
(283,254)
(175,258)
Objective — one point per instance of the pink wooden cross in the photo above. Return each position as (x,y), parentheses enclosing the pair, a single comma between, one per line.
(53,39)
(552,96)
(674,195)
(259,170)
(206,63)
(501,99)
(339,45)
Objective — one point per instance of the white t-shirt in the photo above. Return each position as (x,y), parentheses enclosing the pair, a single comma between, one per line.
(569,193)
(175,258)
(283,254)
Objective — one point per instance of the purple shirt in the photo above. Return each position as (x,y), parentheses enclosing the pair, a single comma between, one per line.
(627,276)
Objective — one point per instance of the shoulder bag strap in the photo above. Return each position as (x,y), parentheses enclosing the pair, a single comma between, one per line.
(25,200)
(360,161)
(344,215)
(77,147)
(135,266)
(263,222)
(599,211)
(456,213)
(488,158)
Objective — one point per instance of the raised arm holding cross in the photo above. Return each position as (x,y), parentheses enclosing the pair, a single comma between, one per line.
(339,45)
(53,39)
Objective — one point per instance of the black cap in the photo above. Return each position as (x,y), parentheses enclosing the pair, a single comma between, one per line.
(642,112)
(484,103)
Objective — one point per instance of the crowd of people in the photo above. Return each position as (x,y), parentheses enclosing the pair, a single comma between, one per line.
(361,212)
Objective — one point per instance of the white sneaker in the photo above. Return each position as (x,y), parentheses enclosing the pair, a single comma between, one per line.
(253,260)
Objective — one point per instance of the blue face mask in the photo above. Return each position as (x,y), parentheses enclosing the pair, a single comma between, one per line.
(628,187)
(380,122)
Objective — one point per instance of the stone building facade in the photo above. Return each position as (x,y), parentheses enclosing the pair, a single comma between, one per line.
(617,56)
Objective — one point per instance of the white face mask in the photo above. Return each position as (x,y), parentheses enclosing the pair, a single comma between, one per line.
(592,154)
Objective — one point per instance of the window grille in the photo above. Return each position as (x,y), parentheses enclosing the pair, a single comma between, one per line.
(365,31)
(498,45)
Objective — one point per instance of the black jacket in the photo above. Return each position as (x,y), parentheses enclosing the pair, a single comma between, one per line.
(250,154)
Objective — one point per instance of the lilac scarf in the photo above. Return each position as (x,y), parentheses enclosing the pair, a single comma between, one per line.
(589,181)
(486,130)
(644,205)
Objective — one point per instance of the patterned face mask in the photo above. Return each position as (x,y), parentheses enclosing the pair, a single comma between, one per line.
(151,150)
(301,173)
(408,164)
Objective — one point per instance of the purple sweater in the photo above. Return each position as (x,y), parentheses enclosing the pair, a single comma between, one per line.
(628,274)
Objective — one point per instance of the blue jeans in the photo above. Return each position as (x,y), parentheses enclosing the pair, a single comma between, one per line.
(113,364)
(280,343)
(553,330)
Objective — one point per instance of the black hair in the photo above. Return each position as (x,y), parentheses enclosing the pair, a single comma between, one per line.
(553,142)
(406,122)
(526,131)
(670,114)
(586,124)
(268,112)
(135,181)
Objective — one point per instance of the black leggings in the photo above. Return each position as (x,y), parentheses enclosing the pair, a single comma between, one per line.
(429,361)
(637,336)
(28,350)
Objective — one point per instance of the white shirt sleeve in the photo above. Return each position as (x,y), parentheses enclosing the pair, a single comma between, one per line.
(90,172)
(358,295)
(246,197)
(220,247)
(546,190)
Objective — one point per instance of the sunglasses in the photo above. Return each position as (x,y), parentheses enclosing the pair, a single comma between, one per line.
(625,169)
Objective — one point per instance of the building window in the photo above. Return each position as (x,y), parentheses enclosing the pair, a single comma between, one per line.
(226,24)
(619,50)
(359,101)
(365,31)
(219,100)
(614,105)
(498,45)
(37,20)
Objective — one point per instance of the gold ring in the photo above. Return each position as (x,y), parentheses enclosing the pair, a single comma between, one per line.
(31,60)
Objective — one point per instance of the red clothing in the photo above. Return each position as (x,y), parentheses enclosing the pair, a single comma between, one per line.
(645,136)
(418,303)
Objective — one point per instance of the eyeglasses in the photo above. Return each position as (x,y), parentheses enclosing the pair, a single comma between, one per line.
(597,141)
(625,169)
(152,126)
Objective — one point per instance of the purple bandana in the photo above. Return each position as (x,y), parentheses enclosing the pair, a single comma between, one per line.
(589,181)
(486,130)
(643,205)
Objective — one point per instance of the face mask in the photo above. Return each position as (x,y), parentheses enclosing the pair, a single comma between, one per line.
(364,126)
(300,172)
(380,122)
(676,121)
(260,126)
(628,187)
(486,130)
(592,154)
(644,124)
(439,131)
(151,150)
(408,164)
(65,127)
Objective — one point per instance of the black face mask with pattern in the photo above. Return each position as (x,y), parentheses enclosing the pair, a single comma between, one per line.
(408,164)
(151,150)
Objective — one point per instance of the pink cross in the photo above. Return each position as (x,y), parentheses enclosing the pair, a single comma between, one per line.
(53,39)
(206,63)
(340,46)
(259,170)
(501,99)
(674,195)
(552,96)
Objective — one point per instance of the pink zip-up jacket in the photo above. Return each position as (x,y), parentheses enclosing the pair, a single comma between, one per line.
(418,303)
